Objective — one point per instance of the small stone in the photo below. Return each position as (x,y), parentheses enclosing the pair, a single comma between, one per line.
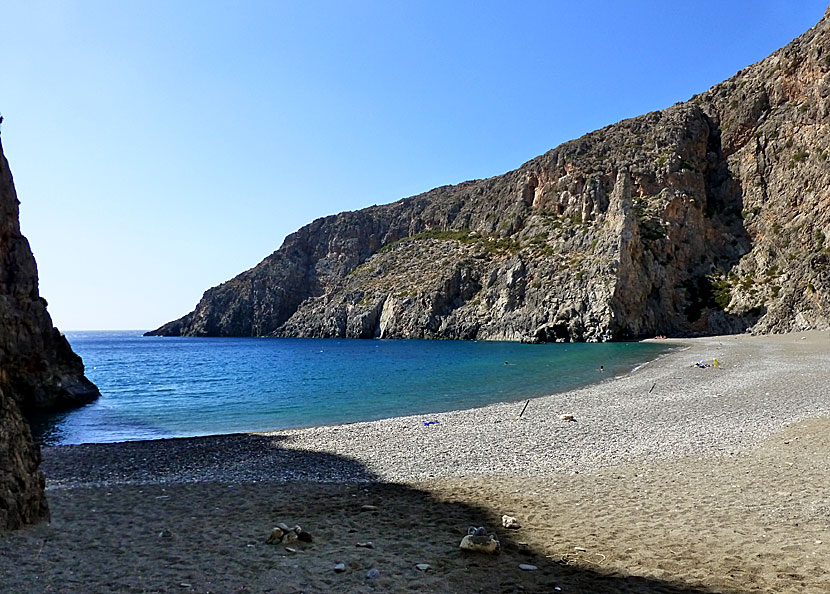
(340,568)
(481,544)
(364,508)
(372,574)
(289,537)
(186,585)
(422,566)
(366,545)
(510,522)
(291,549)
(165,534)
(527,567)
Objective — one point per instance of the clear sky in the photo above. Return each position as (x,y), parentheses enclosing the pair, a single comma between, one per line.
(162,147)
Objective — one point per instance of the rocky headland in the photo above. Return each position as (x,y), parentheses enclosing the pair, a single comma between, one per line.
(38,369)
(709,217)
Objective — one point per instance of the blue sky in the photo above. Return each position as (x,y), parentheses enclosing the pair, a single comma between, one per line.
(160,148)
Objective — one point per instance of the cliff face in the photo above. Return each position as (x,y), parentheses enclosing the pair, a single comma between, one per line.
(707,217)
(38,369)
(37,366)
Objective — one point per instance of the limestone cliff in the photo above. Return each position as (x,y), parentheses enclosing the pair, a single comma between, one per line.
(38,369)
(710,216)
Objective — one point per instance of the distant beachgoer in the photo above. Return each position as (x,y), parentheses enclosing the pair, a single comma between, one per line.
(602,368)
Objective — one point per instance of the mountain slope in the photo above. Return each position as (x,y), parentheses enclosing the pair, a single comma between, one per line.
(707,217)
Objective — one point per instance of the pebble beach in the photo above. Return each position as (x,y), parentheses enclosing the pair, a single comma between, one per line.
(672,478)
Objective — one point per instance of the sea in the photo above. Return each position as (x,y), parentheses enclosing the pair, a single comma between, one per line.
(154,387)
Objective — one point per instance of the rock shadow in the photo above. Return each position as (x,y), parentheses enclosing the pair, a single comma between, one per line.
(194,514)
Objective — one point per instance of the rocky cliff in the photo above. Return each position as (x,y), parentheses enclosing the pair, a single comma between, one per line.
(38,369)
(711,216)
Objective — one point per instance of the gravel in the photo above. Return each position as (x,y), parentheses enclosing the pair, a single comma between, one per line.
(668,408)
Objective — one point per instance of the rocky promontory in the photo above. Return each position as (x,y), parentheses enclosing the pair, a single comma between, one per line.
(38,369)
(709,217)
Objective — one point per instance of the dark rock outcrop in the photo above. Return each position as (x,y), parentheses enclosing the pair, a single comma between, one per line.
(38,369)
(711,216)
(37,366)
(22,497)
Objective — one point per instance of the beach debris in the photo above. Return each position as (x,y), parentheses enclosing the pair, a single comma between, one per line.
(339,568)
(568,418)
(186,585)
(40,550)
(282,534)
(428,423)
(372,574)
(422,566)
(527,567)
(523,409)
(510,522)
(476,540)
(366,545)
(365,508)
(165,534)
(652,387)
(291,549)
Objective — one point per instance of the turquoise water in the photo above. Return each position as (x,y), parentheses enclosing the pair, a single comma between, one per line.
(180,387)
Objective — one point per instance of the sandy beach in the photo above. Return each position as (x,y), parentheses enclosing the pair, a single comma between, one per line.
(673,478)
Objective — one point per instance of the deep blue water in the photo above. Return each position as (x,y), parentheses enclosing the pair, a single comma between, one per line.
(177,387)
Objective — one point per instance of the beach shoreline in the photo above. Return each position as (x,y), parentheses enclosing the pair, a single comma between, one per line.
(665,408)
(672,478)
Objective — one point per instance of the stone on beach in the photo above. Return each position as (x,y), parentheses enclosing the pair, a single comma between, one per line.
(481,544)
(510,522)
(282,534)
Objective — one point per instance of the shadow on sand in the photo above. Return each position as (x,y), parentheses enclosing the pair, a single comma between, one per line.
(192,515)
